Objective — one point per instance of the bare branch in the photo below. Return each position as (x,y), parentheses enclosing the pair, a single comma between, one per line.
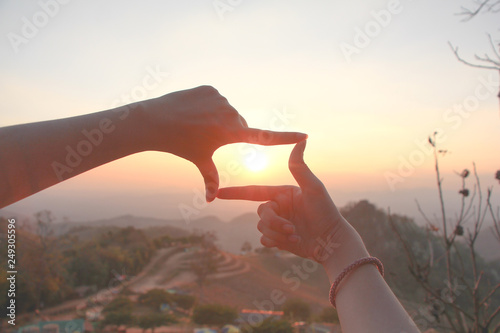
(469,14)
(493,315)
(493,44)
(441,299)
(423,214)
(409,254)
(487,58)
(496,222)
(455,51)
(495,7)
(497,328)
(490,294)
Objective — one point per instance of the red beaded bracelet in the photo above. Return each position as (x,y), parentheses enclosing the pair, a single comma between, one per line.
(348,269)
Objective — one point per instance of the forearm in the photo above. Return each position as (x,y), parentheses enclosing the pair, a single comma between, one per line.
(38,155)
(364,301)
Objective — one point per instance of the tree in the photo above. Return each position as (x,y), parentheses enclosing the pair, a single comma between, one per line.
(204,260)
(246,247)
(270,325)
(154,298)
(465,301)
(185,302)
(119,304)
(118,318)
(296,309)
(153,320)
(42,264)
(118,312)
(214,314)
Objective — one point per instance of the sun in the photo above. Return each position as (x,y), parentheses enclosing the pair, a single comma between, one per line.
(257,161)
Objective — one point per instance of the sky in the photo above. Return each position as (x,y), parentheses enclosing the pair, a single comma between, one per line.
(367,82)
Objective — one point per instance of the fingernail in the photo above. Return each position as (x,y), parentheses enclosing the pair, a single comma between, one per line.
(294,238)
(288,228)
(302,136)
(211,197)
(211,194)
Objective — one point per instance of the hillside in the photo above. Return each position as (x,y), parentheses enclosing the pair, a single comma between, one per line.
(231,235)
(105,247)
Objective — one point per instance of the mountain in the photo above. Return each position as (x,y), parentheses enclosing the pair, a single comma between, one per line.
(230,235)
(488,246)
(239,230)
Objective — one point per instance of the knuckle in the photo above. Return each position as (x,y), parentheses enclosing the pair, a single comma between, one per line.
(208,89)
(231,112)
(261,209)
(276,223)
(260,226)
(316,188)
(264,209)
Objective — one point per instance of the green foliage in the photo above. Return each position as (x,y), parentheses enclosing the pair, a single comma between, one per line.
(118,312)
(154,298)
(185,302)
(96,261)
(118,318)
(214,314)
(153,320)
(270,325)
(204,260)
(119,304)
(204,263)
(297,309)
(328,315)
(42,278)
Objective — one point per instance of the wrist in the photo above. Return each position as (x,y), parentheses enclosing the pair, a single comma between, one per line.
(133,127)
(348,247)
(158,124)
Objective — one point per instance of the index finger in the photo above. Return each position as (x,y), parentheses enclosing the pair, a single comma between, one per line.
(253,192)
(270,138)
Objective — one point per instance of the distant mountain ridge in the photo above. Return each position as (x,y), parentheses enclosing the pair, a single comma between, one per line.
(231,235)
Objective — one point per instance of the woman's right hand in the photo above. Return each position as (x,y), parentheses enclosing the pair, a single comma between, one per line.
(302,220)
(365,303)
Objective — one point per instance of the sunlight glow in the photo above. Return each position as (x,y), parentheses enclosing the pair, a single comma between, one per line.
(257,161)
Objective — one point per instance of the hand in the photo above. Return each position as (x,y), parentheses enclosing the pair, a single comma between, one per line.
(194,123)
(302,220)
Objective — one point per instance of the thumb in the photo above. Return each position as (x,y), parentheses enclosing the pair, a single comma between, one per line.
(211,177)
(300,171)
